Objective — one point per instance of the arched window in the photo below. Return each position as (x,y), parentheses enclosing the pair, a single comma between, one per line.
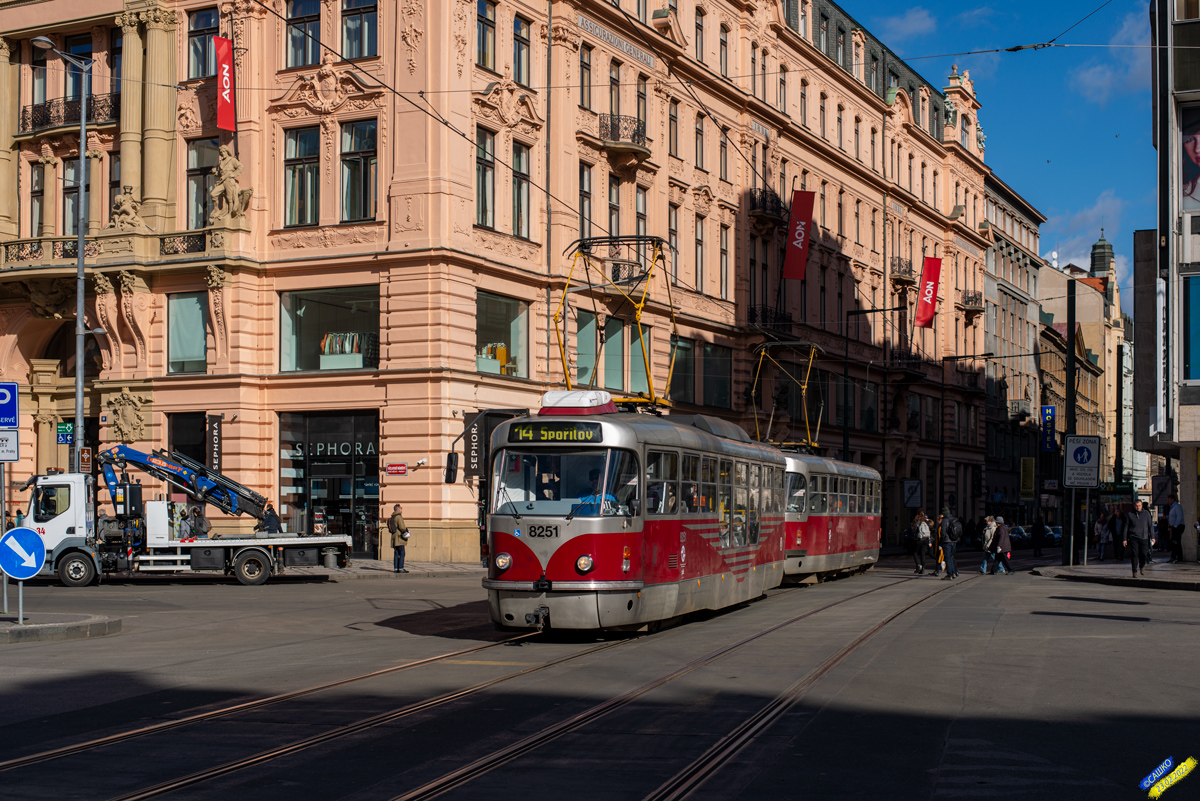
(724,53)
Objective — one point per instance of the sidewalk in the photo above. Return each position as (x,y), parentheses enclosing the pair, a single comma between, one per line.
(381,569)
(1160,574)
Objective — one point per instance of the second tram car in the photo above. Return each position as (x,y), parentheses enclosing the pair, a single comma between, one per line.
(832,517)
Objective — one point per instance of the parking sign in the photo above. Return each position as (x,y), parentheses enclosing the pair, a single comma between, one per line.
(10,402)
(1081,463)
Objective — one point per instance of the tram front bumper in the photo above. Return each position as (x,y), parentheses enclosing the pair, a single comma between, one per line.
(568,609)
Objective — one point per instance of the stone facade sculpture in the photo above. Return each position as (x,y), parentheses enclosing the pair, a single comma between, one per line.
(51,299)
(128,422)
(229,199)
(124,215)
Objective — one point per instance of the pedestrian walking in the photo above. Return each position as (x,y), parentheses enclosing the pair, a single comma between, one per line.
(1103,536)
(200,524)
(1139,536)
(935,548)
(920,529)
(989,531)
(1039,535)
(400,534)
(20,517)
(951,533)
(1003,545)
(1175,523)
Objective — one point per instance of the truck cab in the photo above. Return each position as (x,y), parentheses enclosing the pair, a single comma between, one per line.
(62,511)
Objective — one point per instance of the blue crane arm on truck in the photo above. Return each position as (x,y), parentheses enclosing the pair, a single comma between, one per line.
(200,483)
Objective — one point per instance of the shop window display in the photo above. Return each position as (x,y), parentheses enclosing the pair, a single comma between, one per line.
(330,329)
(501,336)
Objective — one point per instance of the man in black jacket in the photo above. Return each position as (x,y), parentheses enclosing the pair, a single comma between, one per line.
(951,532)
(1139,537)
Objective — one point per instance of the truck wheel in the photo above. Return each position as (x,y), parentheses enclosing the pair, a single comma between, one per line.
(76,570)
(252,568)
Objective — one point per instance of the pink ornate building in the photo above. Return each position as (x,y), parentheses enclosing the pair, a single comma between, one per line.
(380,253)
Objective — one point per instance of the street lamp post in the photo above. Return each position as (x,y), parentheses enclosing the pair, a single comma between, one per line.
(942,438)
(846,376)
(85,75)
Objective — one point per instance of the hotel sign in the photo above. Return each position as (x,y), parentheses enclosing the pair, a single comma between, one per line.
(610,38)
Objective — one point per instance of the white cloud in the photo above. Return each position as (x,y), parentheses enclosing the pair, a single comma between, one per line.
(911,24)
(1125,68)
(1072,234)
(981,15)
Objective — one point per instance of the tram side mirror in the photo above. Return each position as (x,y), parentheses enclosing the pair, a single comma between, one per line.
(451,467)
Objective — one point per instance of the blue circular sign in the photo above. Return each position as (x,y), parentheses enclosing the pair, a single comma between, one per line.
(1083,454)
(22,553)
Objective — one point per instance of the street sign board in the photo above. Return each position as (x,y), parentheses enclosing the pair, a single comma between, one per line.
(66,433)
(911,491)
(400,469)
(1081,462)
(85,461)
(10,402)
(22,553)
(1161,488)
(10,446)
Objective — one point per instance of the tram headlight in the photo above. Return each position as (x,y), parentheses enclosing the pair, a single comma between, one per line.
(584,564)
(503,561)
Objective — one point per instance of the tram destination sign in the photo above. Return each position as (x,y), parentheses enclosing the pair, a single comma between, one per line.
(543,432)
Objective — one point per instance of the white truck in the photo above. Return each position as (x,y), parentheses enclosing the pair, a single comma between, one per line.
(145,537)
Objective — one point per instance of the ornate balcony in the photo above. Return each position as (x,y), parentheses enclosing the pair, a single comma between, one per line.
(1020,410)
(624,140)
(65,111)
(769,317)
(971,301)
(48,249)
(902,273)
(765,204)
(177,244)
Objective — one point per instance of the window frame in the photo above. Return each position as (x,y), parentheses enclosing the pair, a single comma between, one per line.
(368,159)
(365,9)
(202,37)
(292,164)
(673,129)
(485,178)
(485,35)
(724,154)
(173,297)
(305,28)
(521,182)
(202,175)
(522,51)
(724,52)
(585,200)
(585,77)
(700,140)
(37,197)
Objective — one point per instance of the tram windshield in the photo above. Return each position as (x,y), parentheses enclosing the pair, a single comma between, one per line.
(583,483)
(796,490)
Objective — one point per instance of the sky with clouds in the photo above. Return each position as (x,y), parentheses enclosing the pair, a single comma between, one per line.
(1068,127)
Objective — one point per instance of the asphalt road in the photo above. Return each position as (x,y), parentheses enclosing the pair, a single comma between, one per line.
(994,687)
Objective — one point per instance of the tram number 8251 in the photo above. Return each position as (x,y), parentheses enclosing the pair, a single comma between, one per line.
(543,531)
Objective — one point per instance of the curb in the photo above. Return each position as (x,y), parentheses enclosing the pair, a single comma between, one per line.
(89,627)
(1147,582)
(350,575)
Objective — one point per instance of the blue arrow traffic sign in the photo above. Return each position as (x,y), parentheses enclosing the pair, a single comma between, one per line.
(22,553)
(10,403)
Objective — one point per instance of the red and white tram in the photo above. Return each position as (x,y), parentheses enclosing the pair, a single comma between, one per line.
(832,517)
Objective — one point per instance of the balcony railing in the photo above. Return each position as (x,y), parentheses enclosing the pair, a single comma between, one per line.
(902,271)
(44,249)
(767,203)
(1020,409)
(615,128)
(769,317)
(65,111)
(972,300)
(181,243)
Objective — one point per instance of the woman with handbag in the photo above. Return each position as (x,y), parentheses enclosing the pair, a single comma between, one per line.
(400,534)
(920,529)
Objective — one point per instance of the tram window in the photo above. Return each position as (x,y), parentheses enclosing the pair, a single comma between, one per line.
(625,483)
(662,488)
(691,484)
(708,485)
(796,490)
(878,496)
(823,502)
(768,491)
(725,501)
(780,487)
(754,505)
(853,497)
(843,503)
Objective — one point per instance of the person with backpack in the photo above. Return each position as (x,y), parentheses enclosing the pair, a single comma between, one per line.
(1002,545)
(400,534)
(920,528)
(951,532)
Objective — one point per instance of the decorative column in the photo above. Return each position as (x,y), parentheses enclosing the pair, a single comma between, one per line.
(159,98)
(96,195)
(131,104)
(10,99)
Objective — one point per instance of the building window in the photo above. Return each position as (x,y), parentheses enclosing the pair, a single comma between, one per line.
(822,199)
(585,76)
(359,170)
(485,35)
(700,140)
(202,57)
(804,103)
(585,347)
(673,239)
(874,79)
(783,170)
(893,80)
(303,32)
(38,67)
(302,173)
(77,46)
(724,52)
(359,28)
(874,243)
(673,129)
(841,229)
(840,140)
(823,41)
(186,435)
(641,227)
(614,88)
(642,107)
(754,70)
(114,177)
(858,222)
(910,172)
(501,335)
(700,35)
(520,188)
(186,343)
(965,133)
(841,46)
(724,262)
(521,47)
(683,372)
(639,353)
(763,84)
(71,207)
(718,376)
(37,200)
(585,200)
(330,329)
(642,9)
(872,148)
(116,59)
(857,138)
(201,158)
(700,254)
(614,354)
(614,206)
(724,154)
(783,88)
(485,178)
(821,117)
